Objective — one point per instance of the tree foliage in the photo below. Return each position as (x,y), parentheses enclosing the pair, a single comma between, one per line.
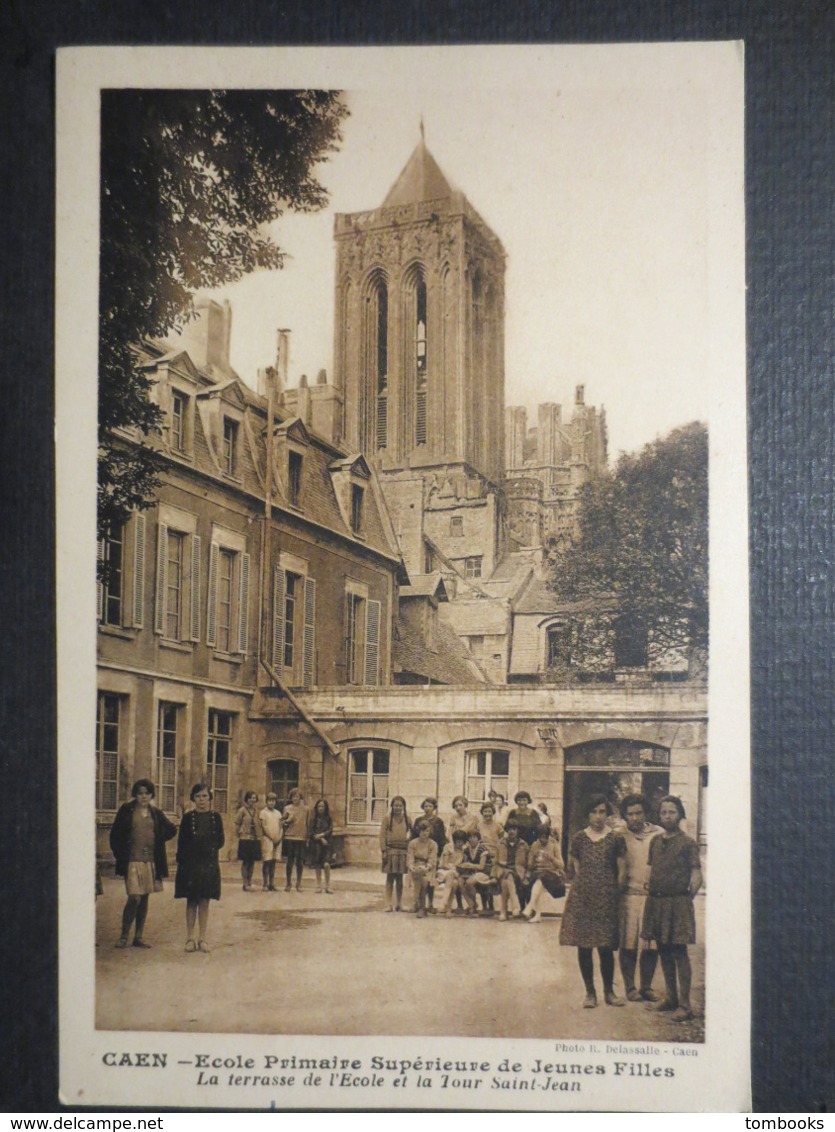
(189,182)
(642,551)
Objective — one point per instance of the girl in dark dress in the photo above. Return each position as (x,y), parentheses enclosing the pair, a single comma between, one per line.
(321,832)
(198,871)
(674,879)
(590,917)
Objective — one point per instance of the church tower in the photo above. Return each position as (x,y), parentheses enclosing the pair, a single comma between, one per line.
(419,349)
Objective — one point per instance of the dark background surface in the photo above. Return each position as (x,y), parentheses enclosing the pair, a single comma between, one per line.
(790,163)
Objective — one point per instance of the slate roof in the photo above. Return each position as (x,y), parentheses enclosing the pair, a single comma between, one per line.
(318,502)
(421,179)
(538,598)
(450,664)
(426,585)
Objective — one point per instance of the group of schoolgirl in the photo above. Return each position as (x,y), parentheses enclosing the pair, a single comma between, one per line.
(472,859)
(267,835)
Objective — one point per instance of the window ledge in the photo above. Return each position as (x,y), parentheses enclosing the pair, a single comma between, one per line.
(176,646)
(233,477)
(179,454)
(118,631)
(228,657)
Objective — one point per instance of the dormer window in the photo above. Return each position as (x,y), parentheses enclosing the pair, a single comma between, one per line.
(294,478)
(230,446)
(179,417)
(357,494)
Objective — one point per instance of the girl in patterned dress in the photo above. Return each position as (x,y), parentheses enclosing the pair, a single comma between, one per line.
(395,834)
(597,857)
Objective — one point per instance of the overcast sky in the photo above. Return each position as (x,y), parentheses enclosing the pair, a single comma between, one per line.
(598,187)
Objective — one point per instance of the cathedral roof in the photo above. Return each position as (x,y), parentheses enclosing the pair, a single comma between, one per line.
(421,179)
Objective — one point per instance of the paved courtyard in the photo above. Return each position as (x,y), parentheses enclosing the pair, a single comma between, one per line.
(288,962)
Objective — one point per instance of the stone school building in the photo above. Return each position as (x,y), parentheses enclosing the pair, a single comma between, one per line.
(333,587)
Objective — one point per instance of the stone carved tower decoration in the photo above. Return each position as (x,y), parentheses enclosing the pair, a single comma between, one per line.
(419,350)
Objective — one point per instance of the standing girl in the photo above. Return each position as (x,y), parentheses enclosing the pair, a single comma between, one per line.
(321,832)
(138,838)
(395,834)
(296,829)
(674,879)
(590,918)
(249,831)
(198,871)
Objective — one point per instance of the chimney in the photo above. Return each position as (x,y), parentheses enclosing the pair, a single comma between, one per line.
(205,337)
(282,363)
(303,404)
(580,395)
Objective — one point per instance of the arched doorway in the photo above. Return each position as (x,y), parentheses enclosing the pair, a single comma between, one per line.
(615,768)
(282,777)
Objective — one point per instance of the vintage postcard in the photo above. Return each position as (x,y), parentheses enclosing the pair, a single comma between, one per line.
(393,679)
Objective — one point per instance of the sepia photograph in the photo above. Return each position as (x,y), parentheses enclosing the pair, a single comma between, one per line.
(405,440)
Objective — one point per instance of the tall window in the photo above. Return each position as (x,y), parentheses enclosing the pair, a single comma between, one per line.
(487,770)
(294,625)
(559,646)
(456,526)
(230,445)
(294,477)
(292,622)
(357,498)
(167,745)
(179,420)
(111,552)
(630,643)
(108,707)
(382,364)
(218,757)
(368,786)
(175,550)
(472,567)
(420,362)
(228,613)
(283,777)
(225,599)
(355,639)
(177,604)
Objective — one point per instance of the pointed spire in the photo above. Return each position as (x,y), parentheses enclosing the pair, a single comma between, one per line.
(420,179)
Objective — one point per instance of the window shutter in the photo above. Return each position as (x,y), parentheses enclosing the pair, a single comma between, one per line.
(162,560)
(196,549)
(243,606)
(309,631)
(372,643)
(211,611)
(279,590)
(99,585)
(138,570)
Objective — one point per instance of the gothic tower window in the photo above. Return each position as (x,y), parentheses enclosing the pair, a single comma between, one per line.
(382,364)
(376,330)
(420,362)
